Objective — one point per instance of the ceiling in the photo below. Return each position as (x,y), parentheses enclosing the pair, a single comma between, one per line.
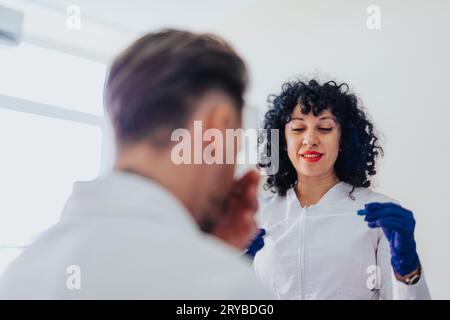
(109,25)
(139,16)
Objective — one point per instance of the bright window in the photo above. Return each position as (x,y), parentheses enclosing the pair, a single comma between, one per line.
(41,158)
(50,77)
(50,136)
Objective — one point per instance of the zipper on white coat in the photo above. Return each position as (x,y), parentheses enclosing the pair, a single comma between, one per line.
(302,250)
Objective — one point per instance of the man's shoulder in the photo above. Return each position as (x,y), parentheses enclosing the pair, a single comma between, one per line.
(140,262)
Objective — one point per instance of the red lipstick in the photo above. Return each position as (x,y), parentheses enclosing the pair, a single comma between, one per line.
(311,156)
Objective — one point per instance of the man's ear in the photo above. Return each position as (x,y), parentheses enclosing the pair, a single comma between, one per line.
(222,116)
(216,110)
(217,121)
(219,112)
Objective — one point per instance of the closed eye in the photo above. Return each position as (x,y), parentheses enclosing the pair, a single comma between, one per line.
(321,129)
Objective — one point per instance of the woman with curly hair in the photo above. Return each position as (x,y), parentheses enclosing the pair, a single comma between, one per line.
(324,233)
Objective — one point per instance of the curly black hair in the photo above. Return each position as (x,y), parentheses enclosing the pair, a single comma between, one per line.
(358,144)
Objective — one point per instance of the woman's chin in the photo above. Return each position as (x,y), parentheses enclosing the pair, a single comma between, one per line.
(311,173)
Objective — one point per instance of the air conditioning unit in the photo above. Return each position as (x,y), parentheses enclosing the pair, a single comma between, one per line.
(11,25)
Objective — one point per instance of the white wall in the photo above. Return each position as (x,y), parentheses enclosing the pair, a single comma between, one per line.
(401,73)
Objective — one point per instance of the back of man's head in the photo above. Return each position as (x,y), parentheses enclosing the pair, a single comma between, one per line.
(153,85)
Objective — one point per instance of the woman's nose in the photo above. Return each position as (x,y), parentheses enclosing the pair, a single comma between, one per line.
(310,139)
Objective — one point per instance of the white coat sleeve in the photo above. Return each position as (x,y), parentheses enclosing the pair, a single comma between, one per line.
(390,287)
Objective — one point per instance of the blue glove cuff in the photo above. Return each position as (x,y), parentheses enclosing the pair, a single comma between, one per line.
(256,244)
(405,264)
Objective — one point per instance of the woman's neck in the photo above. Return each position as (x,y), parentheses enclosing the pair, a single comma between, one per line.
(310,190)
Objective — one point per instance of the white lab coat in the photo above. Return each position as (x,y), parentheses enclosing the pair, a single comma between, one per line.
(327,251)
(128,238)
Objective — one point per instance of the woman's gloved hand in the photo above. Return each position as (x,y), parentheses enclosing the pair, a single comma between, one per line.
(256,244)
(398,225)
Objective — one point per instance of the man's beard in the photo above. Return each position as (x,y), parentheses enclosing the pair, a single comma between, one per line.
(214,211)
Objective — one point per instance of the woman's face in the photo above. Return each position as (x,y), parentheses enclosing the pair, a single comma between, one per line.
(318,136)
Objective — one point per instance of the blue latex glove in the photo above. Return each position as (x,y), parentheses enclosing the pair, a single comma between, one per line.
(256,244)
(398,225)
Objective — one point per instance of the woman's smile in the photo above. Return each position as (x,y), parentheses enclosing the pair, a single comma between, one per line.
(311,156)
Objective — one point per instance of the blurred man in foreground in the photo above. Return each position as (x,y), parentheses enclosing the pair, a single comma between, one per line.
(154,229)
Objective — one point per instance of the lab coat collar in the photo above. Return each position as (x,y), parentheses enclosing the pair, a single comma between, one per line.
(329,199)
(130,196)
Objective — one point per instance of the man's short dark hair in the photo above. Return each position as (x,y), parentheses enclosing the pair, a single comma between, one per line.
(152,86)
